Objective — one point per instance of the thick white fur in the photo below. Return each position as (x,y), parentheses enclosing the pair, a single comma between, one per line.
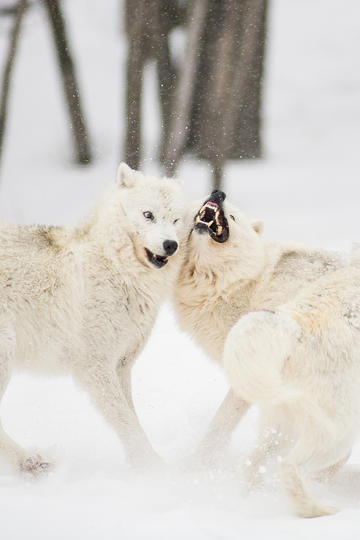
(301,365)
(84,299)
(285,322)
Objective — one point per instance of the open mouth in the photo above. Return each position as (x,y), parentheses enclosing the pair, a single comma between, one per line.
(157,260)
(211,218)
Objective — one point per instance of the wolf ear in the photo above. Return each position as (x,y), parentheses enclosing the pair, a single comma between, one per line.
(126,177)
(258,226)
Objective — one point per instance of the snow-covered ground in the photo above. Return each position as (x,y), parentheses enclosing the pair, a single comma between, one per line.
(306,189)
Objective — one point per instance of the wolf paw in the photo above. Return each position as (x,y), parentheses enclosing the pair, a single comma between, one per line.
(35,465)
(314,510)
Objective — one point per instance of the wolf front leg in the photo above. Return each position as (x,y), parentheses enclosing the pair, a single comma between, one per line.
(123,370)
(226,418)
(107,393)
(13,453)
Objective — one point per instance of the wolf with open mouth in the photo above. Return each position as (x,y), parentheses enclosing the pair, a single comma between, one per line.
(83,300)
(234,283)
(211,217)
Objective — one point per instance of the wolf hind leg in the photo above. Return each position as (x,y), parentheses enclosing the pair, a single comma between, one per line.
(304,504)
(304,453)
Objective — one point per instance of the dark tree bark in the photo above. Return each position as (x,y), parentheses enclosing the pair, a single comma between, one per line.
(71,89)
(218,98)
(8,10)
(148,24)
(183,97)
(166,70)
(9,64)
(226,114)
(211,104)
(243,133)
(135,17)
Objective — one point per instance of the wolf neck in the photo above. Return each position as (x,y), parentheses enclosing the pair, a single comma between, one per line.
(208,301)
(224,271)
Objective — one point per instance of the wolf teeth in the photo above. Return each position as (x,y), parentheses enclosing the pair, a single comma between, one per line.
(207,223)
(202,213)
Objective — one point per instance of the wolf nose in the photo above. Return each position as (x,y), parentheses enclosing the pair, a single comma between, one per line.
(170,246)
(218,196)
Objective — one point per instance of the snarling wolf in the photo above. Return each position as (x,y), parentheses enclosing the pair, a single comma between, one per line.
(284,321)
(83,300)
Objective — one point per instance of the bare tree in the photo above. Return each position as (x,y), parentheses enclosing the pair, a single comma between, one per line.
(230,124)
(148,25)
(9,64)
(211,103)
(70,84)
(136,22)
(183,97)
(218,98)
(66,64)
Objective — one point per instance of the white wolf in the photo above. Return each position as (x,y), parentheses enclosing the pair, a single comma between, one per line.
(84,299)
(285,323)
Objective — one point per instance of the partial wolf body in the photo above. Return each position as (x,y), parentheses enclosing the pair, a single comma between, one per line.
(211,297)
(283,321)
(300,364)
(84,299)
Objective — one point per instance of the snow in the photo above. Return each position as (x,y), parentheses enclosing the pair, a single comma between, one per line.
(306,190)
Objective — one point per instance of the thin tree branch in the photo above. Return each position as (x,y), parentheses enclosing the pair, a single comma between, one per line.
(71,89)
(9,64)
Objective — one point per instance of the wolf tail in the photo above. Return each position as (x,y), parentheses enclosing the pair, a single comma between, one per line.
(255,352)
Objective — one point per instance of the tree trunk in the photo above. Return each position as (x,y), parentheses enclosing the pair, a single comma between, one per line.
(244,133)
(6,81)
(183,98)
(170,14)
(217,175)
(167,76)
(227,117)
(135,66)
(216,111)
(135,23)
(216,77)
(148,24)
(71,89)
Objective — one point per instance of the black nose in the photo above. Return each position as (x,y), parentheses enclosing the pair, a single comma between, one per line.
(218,196)
(170,246)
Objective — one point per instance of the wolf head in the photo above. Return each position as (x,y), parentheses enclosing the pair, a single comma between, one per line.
(224,241)
(152,212)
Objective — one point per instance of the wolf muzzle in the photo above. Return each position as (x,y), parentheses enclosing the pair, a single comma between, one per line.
(211,218)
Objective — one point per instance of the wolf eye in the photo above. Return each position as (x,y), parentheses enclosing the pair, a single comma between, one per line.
(149,216)
(232,217)
(176,221)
